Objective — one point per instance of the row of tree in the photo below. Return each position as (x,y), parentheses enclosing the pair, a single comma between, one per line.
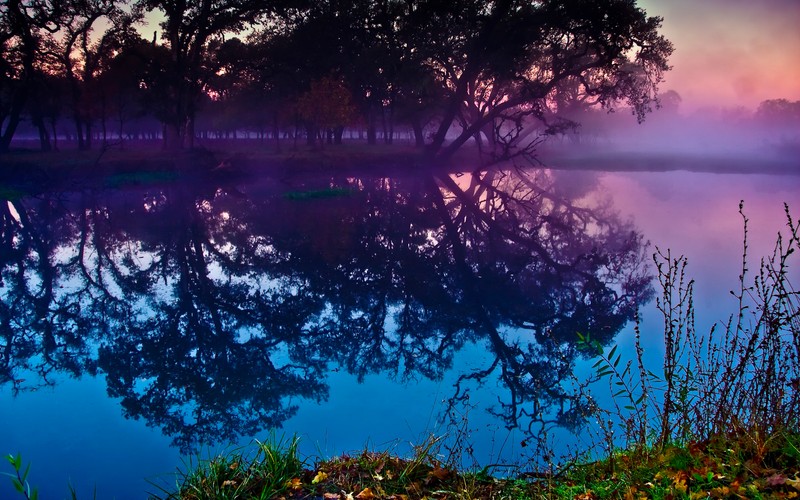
(492,71)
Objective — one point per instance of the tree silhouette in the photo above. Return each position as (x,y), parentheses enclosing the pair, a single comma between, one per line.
(212,310)
(43,328)
(187,28)
(23,26)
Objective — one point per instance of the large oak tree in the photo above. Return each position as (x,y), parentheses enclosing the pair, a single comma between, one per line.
(501,61)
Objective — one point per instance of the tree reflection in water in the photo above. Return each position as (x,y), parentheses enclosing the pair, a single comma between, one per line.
(211,311)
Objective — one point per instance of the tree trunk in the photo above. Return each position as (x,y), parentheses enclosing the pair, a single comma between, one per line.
(44,136)
(277,133)
(189,133)
(79,133)
(17,103)
(372,136)
(419,138)
(55,133)
(88,143)
(311,135)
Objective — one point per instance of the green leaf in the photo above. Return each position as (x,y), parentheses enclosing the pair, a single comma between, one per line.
(35,495)
(613,350)
(18,485)
(27,470)
(629,407)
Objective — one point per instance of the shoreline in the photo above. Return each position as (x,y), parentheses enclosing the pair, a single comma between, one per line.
(31,168)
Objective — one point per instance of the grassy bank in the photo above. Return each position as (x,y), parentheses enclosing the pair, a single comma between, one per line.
(739,465)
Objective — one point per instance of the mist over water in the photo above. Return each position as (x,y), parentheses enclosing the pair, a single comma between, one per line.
(709,140)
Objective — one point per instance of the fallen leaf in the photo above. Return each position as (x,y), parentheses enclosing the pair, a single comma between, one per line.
(720,492)
(229,482)
(680,485)
(366,494)
(439,473)
(794,483)
(331,496)
(294,484)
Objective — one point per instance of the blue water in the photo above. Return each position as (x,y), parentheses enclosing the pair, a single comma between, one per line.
(148,324)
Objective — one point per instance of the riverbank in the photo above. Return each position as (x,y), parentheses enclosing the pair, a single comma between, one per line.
(738,465)
(28,168)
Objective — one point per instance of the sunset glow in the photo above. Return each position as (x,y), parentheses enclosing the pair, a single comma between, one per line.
(731,53)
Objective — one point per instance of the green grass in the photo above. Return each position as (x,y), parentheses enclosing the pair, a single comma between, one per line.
(733,466)
(270,473)
(739,465)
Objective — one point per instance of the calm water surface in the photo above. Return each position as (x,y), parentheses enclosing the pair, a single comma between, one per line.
(143,324)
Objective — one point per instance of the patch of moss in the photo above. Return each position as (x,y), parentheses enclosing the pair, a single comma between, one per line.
(317,194)
(140,178)
(10,193)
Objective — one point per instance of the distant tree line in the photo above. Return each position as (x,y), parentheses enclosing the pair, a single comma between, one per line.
(496,72)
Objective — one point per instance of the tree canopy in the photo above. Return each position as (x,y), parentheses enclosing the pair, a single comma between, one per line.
(451,72)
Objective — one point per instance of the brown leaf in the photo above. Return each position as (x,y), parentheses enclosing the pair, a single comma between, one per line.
(294,484)
(440,473)
(366,494)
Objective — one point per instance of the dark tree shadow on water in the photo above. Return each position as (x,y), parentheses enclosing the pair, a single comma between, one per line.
(214,312)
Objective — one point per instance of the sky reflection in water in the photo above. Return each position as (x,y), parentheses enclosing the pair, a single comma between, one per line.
(352,311)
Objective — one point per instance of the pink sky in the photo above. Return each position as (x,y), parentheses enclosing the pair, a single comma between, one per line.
(731,52)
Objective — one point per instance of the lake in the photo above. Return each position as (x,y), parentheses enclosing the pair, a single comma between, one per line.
(149,321)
